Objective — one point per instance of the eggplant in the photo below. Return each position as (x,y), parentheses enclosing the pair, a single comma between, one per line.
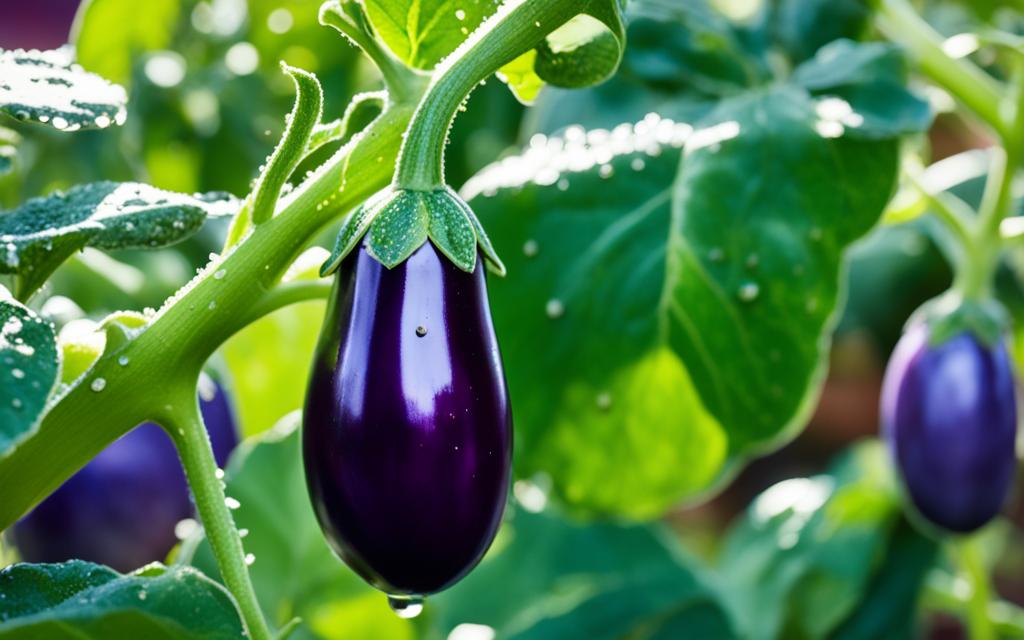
(407,430)
(121,509)
(949,417)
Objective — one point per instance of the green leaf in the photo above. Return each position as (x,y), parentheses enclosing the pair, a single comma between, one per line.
(861,90)
(586,50)
(801,27)
(294,571)
(304,117)
(421,33)
(46,87)
(811,553)
(660,320)
(8,150)
(29,369)
(110,34)
(79,599)
(43,232)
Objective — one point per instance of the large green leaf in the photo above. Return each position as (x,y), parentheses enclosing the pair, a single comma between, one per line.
(549,578)
(43,232)
(801,27)
(47,88)
(661,319)
(423,32)
(78,600)
(110,34)
(29,368)
(293,570)
(812,555)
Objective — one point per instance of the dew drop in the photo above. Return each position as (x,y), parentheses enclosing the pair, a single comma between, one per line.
(749,291)
(16,403)
(421,331)
(213,305)
(638,164)
(460,14)
(18,374)
(123,361)
(242,533)
(406,607)
(219,473)
(99,384)
(554,308)
(249,559)
(142,594)
(606,171)
(231,503)
(604,401)
(220,274)
(530,248)
(102,121)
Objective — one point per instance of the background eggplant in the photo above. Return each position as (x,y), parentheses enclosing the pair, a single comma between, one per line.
(949,416)
(121,509)
(407,435)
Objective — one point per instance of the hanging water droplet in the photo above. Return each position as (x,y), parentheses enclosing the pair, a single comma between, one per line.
(99,384)
(406,607)
(749,291)
(554,308)
(421,331)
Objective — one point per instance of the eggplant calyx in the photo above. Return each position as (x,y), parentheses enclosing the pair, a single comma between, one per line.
(951,315)
(396,222)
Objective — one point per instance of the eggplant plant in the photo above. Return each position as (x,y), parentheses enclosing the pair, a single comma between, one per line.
(646,269)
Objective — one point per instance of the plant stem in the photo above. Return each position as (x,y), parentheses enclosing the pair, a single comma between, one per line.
(184,422)
(962,78)
(517,27)
(289,294)
(978,623)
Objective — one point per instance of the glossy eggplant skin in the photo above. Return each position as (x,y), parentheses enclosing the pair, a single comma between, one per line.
(407,433)
(949,416)
(121,509)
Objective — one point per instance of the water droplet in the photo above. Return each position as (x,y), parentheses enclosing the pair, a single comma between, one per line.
(460,14)
(99,384)
(213,305)
(249,559)
(142,594)
(604,401)
(16,403)
(123,361)
(638,164)
(242,533)
(219,473)
(220,274)
(563,184)
(421,331)
(18,374)
(102,121)
(231,503)
(749,291)
(406,607)
(606,171)
(530,248)
(554,308)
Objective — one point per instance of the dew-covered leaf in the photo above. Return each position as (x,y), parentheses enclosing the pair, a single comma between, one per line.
(451,229)
(29,369)
(48,88)
(662,318)
(423,32)
(38,236)
(82,600)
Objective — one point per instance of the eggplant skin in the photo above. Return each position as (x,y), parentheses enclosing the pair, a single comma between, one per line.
(120,510)
(949,417)
(407,432)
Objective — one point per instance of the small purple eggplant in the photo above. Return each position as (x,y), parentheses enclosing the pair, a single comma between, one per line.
(407,435)
(121,509)
(949,415)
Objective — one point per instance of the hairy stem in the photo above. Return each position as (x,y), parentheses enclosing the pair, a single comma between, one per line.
(516,28)
(185,424)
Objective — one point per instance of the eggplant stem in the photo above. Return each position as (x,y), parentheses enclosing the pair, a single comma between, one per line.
(288,294)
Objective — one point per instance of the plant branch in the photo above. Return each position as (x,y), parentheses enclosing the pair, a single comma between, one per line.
(963,79)
(517,27)
(978,623)
(184,422)
(288,294)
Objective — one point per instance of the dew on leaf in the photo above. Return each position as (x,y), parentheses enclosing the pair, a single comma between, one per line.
(530,248)
(749,291)
(554,308)
(99,384)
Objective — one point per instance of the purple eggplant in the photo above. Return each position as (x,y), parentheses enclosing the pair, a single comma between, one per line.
(407,434)
(121,509)
(949,416)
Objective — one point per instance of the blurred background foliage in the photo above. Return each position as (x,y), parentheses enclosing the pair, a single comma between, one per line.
(811,550)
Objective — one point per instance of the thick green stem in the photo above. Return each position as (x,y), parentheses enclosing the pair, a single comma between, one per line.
(516,28)
(965,81)
(979,625)
(185,424)
(289,294)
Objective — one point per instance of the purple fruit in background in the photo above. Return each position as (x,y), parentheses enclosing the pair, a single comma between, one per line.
(949,415)
(407,433)
(121,509)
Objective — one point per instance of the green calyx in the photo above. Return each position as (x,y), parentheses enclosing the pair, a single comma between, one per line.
(951,315)
(396,222)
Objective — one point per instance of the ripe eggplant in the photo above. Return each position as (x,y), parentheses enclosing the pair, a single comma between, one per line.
(121,509)
(949,416)
(407,434)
